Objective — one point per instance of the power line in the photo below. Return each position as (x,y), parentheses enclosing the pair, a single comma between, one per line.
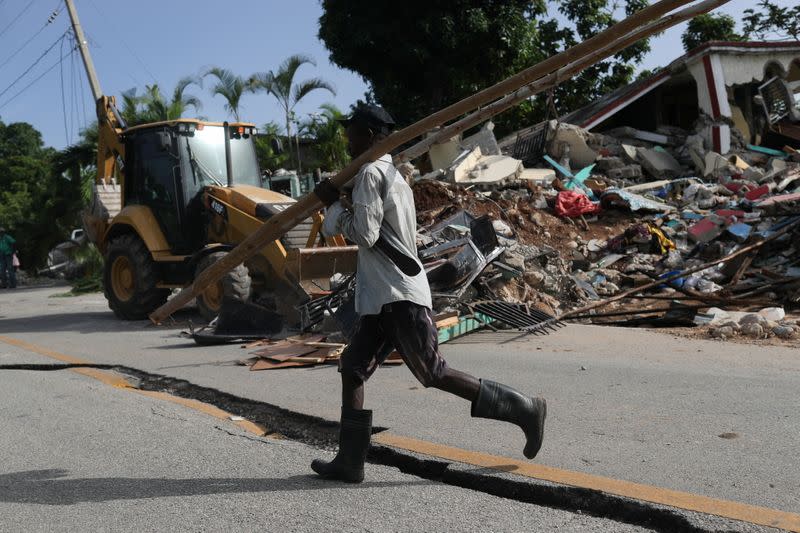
(124,43)
(50,20)
(24,10)
(38,59)
(39,77)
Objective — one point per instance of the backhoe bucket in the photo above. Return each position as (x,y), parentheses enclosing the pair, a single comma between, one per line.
(305,264)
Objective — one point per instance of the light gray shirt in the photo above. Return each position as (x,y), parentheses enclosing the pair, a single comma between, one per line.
(383,204)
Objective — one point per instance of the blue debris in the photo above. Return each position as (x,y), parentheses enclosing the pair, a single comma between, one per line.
(740,231)
(691,215)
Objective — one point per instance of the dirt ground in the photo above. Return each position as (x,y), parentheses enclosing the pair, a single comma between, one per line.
(539,227)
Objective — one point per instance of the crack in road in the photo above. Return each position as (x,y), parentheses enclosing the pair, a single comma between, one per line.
(321,433)
(169,416)
(241,435)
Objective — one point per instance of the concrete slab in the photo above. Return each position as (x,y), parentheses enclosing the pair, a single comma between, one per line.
(573,137)
(539,176)
(465,162)
(493,171)
(659,164)
(443,154)
(715,163)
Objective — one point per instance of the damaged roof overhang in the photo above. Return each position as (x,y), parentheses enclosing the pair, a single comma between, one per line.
(605,107)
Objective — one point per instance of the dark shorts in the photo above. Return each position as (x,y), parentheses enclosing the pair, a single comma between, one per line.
(403,326)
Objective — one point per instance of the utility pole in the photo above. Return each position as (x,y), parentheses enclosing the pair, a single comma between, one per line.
(87,58)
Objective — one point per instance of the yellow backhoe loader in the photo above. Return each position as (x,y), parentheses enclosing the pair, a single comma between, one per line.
(173,197)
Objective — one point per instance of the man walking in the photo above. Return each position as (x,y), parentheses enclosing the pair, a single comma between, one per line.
(393,300)
(8,272)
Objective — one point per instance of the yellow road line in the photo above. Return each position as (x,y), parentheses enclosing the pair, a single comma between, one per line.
(104,376)
(115,380)
(672,498)
(682,500)
(206,408)
(41,350)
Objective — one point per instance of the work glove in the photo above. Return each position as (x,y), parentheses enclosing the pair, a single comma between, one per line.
(327,192)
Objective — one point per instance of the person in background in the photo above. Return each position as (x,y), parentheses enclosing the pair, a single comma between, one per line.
(8,273)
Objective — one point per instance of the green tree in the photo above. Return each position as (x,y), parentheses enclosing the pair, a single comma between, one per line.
(418,60)
(772,20)
(38,204)
(229,86)
(79,162)
(282,86)
(330,142)
(268,158)
(130,109)
(709,27)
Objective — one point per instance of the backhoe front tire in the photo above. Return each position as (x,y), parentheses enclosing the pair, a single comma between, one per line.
(130,278)
(235,285)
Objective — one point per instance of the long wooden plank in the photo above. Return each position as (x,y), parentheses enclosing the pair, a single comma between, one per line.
(307,205)
(553,79)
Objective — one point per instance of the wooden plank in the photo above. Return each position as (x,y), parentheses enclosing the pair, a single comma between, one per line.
(447,322)
(295,350)
(325,344)
(466,324)
(266,364)
(306,337)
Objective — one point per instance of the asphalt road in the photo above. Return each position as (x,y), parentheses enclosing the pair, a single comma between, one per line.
(79,455)
(627,404)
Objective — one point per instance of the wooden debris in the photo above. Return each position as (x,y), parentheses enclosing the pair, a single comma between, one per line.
(625,294)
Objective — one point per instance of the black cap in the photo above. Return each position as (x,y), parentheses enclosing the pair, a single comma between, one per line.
(373,116)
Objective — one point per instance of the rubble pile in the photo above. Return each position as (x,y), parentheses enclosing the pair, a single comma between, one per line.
(613,211)
(535,263)
(768,322)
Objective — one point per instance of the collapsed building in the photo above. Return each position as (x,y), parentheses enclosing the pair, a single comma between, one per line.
(701,156)
(748,91)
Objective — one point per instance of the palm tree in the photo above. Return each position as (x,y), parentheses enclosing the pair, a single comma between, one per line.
(330,143)
(130,111)
(280,84)
(153,107)
(230,87)
(158,109)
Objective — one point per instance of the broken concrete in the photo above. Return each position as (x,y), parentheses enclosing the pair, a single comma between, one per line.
(491,172)
(537,176)
(463,164)
(659,164)
(570,141)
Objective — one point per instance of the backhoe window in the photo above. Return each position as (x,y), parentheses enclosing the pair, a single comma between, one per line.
(207,147)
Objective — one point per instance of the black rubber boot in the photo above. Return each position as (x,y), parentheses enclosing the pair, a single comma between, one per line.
(354,435)
(499,402)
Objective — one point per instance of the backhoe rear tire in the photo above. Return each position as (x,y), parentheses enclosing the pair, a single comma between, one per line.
(235,285)
(130,278)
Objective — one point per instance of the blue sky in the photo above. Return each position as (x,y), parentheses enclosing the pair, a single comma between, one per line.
(134,43)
